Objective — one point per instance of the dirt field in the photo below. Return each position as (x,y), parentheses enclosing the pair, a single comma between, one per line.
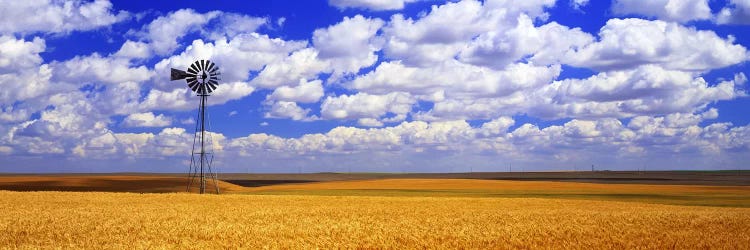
(620,186)
(712,178)
(137,183)
(141,182)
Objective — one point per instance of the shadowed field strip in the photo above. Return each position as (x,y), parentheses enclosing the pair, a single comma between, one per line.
(126,220)
(104,183)
(737,196)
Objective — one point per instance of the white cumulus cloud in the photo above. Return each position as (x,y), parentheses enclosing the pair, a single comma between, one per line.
(131,49)
(163,33)
(304,92)
(442,33)
(95,68)
(362,105)
(147,120)
(627,43)
(18,54)
(370,4)
(289,110)
(578,4)
(669,10)
(737,12)
(647,90)
(49,16)
(301,64)
(350,44)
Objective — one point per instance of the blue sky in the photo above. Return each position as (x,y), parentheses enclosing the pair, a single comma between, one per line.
(377,86)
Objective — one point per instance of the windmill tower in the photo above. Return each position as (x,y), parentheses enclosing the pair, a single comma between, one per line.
(202,77)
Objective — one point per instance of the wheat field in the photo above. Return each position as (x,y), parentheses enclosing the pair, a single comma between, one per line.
(180,220)
(733,196)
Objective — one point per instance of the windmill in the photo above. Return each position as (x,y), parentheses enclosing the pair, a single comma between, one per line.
(202,77)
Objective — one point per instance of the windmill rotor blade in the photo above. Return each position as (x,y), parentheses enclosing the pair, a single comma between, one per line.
(194,76)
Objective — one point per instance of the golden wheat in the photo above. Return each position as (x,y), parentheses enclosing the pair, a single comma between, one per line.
(125,220)
(735,196)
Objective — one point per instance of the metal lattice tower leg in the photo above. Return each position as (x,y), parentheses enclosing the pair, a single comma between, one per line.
(203,140)
(202,78)
(201,168)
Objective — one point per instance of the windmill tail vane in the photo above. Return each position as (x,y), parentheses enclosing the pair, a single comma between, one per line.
(202,77)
